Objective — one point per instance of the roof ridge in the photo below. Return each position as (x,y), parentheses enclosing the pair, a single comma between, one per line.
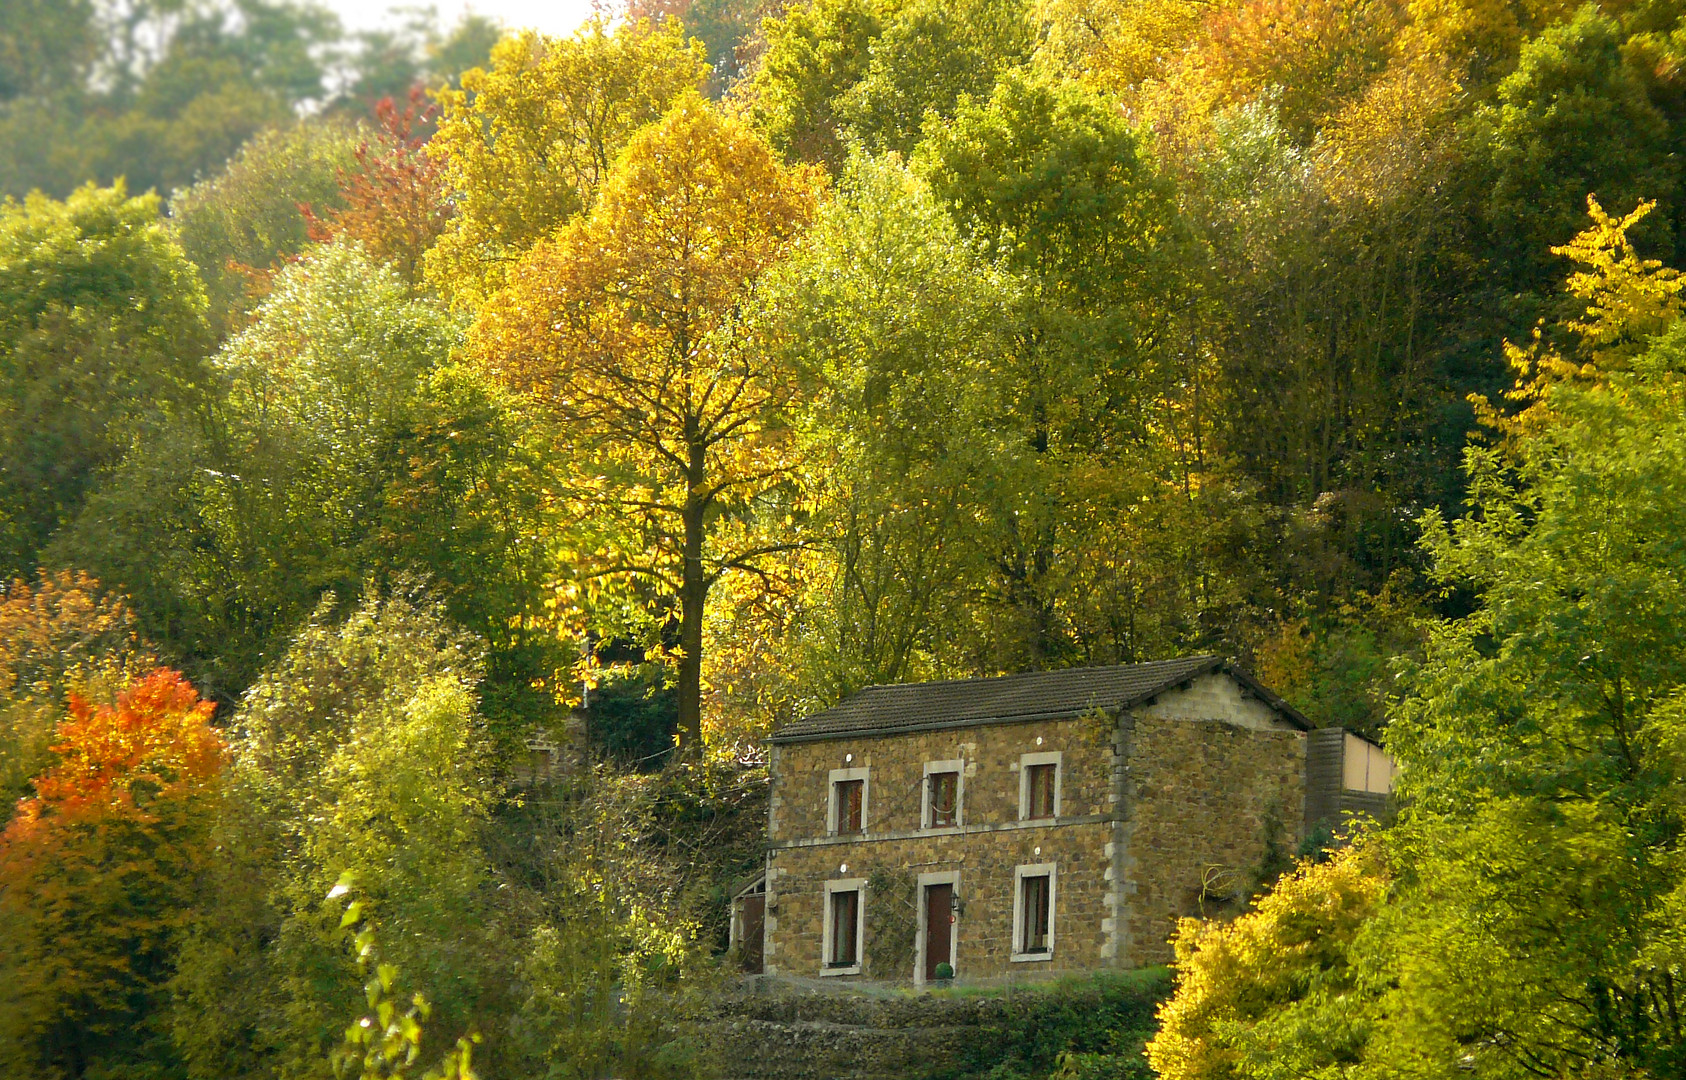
(1201,657)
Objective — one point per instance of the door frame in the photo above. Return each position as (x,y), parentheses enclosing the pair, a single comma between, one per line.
(754,886)
(936,877)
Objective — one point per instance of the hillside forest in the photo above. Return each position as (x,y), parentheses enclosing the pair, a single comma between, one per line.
(374,406)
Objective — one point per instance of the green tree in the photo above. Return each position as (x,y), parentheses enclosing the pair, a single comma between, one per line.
(1541,740)
(1532,923)
(1576,118)
(814,54)
(340,449)
(896,326)
(101,328)
(928,56)
(238,225)
(1049,180)
(190,84)
(390,63)
(361,750)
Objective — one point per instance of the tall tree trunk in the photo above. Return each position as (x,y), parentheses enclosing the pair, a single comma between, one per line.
(693,591)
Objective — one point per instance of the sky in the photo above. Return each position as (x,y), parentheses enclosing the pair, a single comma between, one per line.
(550,16)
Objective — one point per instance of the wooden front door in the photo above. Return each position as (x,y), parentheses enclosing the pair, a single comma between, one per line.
(752,924)
(939,928)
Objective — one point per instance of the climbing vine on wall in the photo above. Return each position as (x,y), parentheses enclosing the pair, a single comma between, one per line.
(892,923)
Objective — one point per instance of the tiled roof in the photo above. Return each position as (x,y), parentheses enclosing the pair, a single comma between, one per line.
(1033,695)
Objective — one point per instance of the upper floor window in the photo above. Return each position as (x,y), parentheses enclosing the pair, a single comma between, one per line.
(941,800)
(1039,785)
(849,802)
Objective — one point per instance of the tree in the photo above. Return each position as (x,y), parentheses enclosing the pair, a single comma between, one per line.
(896,326)
(360,751)
(845,69)
(190,84)
(814,54)
(62,634)
(241,224)
(1538,926)
(393,199)
(101,328)
(1529,920)
(1048,179)
(627,329)
(342,449)
(527,144)
(928,56)
(99,874)
(1575,118)
(1118,45)
(1316,56)
(226,526)
(1279,991)
(163,92)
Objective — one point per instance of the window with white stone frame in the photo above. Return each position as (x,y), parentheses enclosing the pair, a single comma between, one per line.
(942,794)
(848,802)
(1040,784)
(1034,900)
(844,926)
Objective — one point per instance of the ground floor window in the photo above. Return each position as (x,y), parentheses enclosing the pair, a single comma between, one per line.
(843,924)
(1033,912)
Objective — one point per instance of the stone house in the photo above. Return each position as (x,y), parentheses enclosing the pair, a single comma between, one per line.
(1031,825)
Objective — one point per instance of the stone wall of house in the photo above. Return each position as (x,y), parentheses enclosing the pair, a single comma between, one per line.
(989,787)
(1214,781)
(983,928)
(1164,813)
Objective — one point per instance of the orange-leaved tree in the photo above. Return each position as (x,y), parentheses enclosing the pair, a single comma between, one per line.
(58,634)
(98,874)
(629,329)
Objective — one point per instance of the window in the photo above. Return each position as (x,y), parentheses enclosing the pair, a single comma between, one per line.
(1035,892)
(845,913)
(844,919)
(1033,913)
(944,781)
(1041,781)
(850,796)
(850,802)
(1039,786)
(945,798)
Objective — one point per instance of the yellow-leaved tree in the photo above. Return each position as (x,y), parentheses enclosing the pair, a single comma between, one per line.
(527,144)
(1628,301)
(629,330)
(1277,992)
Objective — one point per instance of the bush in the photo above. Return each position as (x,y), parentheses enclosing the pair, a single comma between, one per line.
(1078,1029)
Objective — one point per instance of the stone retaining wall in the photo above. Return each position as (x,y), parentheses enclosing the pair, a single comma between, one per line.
(768,1028)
